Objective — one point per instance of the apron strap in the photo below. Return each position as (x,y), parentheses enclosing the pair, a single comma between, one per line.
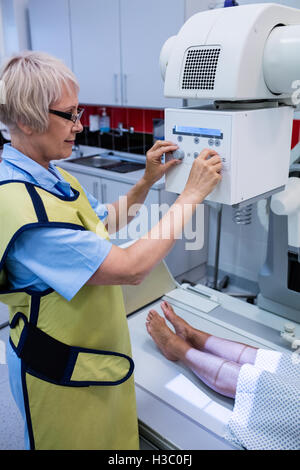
(53,361)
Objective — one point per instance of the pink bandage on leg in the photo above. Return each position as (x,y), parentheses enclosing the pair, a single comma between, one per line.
(230,350)
(212,371)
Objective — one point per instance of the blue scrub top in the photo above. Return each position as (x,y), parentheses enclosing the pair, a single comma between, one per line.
(63,259)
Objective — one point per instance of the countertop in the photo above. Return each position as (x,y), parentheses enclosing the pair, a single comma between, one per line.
(87,151)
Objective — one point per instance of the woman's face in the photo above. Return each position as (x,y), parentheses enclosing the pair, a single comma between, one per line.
(56,143)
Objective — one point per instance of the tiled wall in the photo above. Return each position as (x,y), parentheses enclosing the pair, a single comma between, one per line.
(141,120)
(295,133)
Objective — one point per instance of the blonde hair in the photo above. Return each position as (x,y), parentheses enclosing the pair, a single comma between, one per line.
(32,81)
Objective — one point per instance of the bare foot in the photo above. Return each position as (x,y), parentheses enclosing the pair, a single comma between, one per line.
(182,328)
(172,346)
(196,338)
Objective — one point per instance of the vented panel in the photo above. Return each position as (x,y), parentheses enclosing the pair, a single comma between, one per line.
(200,68)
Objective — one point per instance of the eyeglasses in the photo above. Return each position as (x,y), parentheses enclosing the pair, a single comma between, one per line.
(70,116)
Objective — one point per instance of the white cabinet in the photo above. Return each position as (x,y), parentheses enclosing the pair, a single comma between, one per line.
(50,28)
(95,27)
(145,26)
(91,183)
(116,48)
(113,46)
(141,224)
(188,253)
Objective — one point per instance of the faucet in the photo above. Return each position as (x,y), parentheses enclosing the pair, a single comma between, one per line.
(121,129)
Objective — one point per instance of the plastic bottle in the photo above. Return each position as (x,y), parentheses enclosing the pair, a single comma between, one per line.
(104,121)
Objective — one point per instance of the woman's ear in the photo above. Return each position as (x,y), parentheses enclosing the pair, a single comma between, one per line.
(24,128)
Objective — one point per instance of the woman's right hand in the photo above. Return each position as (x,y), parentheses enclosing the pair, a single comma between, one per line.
(204,176)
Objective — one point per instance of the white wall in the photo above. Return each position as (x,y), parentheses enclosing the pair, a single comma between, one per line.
(9,28)
(1,37)
(15,28)
(22,25)
(194,6)
(242,247)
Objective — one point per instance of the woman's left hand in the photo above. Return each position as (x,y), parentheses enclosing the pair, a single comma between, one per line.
(155,169)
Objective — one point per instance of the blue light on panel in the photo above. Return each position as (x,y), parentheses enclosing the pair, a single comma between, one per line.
(197,131)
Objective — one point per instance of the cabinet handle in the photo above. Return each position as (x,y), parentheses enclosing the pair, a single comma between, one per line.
(125,87)
(95,189)
(104,193)
(116,88)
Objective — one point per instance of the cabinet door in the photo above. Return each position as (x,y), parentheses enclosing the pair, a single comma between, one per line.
(188,252)
(181,258)
(145,26)
(141,224)
(50,28)
(92,184)
(96,50)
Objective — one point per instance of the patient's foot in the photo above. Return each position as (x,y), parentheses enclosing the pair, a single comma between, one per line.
(182,328)
(172,346)
(196,338)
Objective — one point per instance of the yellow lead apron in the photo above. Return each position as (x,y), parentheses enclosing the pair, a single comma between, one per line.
(77,371)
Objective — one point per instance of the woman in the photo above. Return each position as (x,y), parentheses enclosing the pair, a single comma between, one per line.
(265,384)
(70,357)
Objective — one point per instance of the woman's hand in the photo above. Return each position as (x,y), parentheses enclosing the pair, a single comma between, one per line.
(155,169)
(204,175)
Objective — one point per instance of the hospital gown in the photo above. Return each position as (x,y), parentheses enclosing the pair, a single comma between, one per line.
(266,414)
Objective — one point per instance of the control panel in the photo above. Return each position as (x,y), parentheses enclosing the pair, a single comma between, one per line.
(199,136)
(193,131)
(253,144)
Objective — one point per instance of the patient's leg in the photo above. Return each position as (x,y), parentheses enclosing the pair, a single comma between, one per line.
(219,374)
(229,350)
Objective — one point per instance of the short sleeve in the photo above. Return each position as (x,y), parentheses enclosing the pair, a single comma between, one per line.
(63,259)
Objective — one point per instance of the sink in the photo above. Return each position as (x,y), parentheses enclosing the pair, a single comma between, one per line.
(95,161)
(112,164)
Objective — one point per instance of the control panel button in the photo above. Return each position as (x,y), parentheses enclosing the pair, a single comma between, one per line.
(217,143)
(196,154)
(196,140)
(210,142)
(179,138)
(178,154)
